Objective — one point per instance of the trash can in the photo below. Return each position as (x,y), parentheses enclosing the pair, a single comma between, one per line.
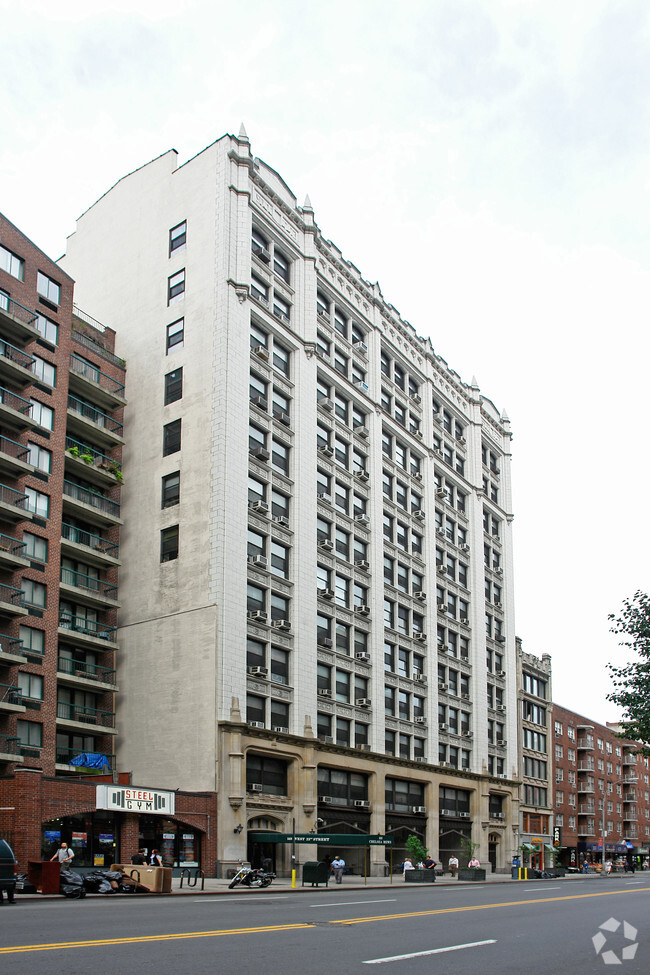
(316,873)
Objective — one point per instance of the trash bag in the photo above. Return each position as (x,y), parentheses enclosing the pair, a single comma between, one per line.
(72,892)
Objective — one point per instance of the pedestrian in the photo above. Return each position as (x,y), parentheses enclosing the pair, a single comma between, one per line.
(474,863)
(64,855)
(139,858)
(585,866)
(608,866)
(429,863)
(406,866)
(155,860)
(632,865)
(453,864)
(10,894)
(338,866)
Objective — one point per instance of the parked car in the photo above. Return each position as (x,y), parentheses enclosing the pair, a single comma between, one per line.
(8,870)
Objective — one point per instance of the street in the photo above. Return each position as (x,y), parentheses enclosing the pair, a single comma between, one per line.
(538,927)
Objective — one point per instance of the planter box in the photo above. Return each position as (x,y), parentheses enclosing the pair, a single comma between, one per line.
(420,876)
(475,873)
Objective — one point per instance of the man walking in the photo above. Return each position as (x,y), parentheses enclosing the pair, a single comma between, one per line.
(338,866)
(64,855)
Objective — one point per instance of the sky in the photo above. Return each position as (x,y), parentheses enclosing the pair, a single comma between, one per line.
(486,161)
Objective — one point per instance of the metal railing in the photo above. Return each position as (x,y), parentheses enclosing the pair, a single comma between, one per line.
(93,498)
(14,449)
(15,402)
(65,752)
(16,355)
(9,745)
(81,536)
(95,374)
(94,415)
(10,644)
(11,594)
(9,495)
(70,577)
(79,624)
(92,455)
(10,694)
(76,712)
(13,308)
(13,546)
(78,668)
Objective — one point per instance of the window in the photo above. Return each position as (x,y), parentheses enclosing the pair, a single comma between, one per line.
(35,593)
(31,686)
(280,264)
(12,264)
(169,544)
(281,308)
(33,641)
(175,335)
(280,457)
(48,288)
(171,437)
(178,237)
(30,733)
(49,330)
(175,287)
(44,371)
(35,547)
(173,386)
(281,358)
(37,502)
(171,490)
(279,559)
(43,415)
(40,457)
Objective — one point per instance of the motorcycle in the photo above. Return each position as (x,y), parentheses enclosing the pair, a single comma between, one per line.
(248,877)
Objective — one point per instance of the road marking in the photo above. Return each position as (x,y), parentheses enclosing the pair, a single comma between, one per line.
(538,889)
(252,897)
(300,926)
(432,951)
(384,900)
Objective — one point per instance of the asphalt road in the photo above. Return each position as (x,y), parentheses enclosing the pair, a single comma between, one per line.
(540,928)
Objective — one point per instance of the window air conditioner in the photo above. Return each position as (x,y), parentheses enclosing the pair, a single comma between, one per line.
(501,742)
(442,570)
(258,616)
(256,724)
(468,734)
(416,398)
(362,564)
(419,810)
(501,673)
(325,799)
(260,506)
(498,605)
(324,641)
(442,726)
(326,739)
(260,453)
(281,520)
(420,678)
(464,547)
(441,493)
(360,347)
(442,687)
(442,607)
(363,748)
(324,498)
(280,730)
(281,624)
(419,514)
(501,707)
(363,475)
(326,594)
(362,610)
(417,475)
(499,815)
(420,594)
(258,560)
(325,450)
(362,432)
(362,803)
(362,519)
(363,702)
(326,404)
(283,418)
(420,637)
(259,402)
(324,692)
(361,385)
(421,719)
(326,545)
(254,787)
(258,671)
(464,815)
(362,655)
(261,352)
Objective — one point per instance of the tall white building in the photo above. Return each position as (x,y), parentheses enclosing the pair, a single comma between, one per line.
(316,549)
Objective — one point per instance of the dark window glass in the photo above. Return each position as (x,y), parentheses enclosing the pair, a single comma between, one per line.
(169,544)
(171,490)
(171,437)
(173,386)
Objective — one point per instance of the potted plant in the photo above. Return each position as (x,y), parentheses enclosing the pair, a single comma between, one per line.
(417,853)
(86,458)
(73,451)
(470,872)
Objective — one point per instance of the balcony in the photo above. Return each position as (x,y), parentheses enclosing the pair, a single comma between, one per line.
(12,601)
(586,809)
(79,673)
(11,651)
(16,411)
(12,554)
(10,749)
(13,505)
(83,717)
(585,742)
(14,458)
(588,766)
(16,321)
(90,505)
(93,384)
(95,549)
(11,699)
(629,758)
(586,787)
(64,753)
(15,365)
(91,464)
(78,629)
(86,420)
(88,590)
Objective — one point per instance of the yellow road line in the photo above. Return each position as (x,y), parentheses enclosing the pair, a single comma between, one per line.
(267,929)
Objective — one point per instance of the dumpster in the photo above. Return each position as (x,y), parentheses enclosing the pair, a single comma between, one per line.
(316,873)
(158,880)
(45,875)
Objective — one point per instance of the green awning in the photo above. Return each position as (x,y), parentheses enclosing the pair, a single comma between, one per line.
(528,847)
(549,847)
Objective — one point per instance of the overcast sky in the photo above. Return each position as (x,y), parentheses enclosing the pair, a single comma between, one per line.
(485,160)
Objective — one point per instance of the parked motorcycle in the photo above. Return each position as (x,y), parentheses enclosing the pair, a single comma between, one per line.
(248,877)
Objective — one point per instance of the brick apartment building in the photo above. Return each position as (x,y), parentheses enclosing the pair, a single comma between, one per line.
(602,791)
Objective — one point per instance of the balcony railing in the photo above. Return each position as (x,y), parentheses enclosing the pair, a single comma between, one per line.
(10,694)
(12,545)
(75,712)
(10,644)
(14,449)
(15,402)
(64,753)
(16,310)
(9,495)
(94,415)
(82,537)
(69,577)
(94,374)
(77,668)
(91,455)
(79,624)
(9,745)
(10,594)
(15,355)
(585,742)
(93,498)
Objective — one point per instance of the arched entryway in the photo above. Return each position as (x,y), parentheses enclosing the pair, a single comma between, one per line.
(256,850)
(493,850)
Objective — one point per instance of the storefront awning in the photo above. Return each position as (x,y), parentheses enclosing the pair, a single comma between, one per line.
(528,847)
(549,847)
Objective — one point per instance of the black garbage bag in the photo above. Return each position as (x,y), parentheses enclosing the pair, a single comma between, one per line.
(71,884)
(23,885)
(72,892)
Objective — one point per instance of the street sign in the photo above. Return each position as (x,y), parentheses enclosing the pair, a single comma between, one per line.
(557,837)
(326,839)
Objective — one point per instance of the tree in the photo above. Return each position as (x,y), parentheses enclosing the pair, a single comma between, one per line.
(415,849)
(632,681)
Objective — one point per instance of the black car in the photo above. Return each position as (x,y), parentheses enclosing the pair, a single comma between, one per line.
(8,869)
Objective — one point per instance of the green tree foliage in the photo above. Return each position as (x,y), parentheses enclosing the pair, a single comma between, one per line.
(415,849)
(632,681)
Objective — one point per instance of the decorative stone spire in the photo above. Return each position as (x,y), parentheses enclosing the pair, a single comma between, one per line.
(243,137)
(307,204)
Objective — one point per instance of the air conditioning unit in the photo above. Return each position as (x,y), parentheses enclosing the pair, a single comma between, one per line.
(447,812)
(259,402)
(437,451)
(441,493)
(500,638)
(363,702)
(324,641)
(363,748)
(361,385)
(417,433)
(258,671)
(324,692)
(280,730)
(362,432)
(504,776)
(254,787)
(442,726)
(261,352)
(281,520)
(362,803)
(258,560)
(421,719)
(362,519)
(437,420)
(260,251)
(360,347)
(501,707)
(260,453)
(258,616)
(260,506)
(461,441)
(324,498)
(420,637)
(256,724)
(323,314)
(420,594)
(468,734)
(326,404)
(326,739)
(420,678)
(464,547)
(362,655)
(463,815)
(419,810)
(441,686)
(498,815)
(465,697)
(416,398)
(362,564)
(419,758)
(443,647)
(417,475)
(326,594)
(419,514)
(442,570)
(281,624)
(498,605)
(442,607)
(501,673)
(499,571)
(325,450)
(326,545)
(501,742)
(440,531)
(283,418)
(362,610)
(464,619)
(325,799)
(362,475)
